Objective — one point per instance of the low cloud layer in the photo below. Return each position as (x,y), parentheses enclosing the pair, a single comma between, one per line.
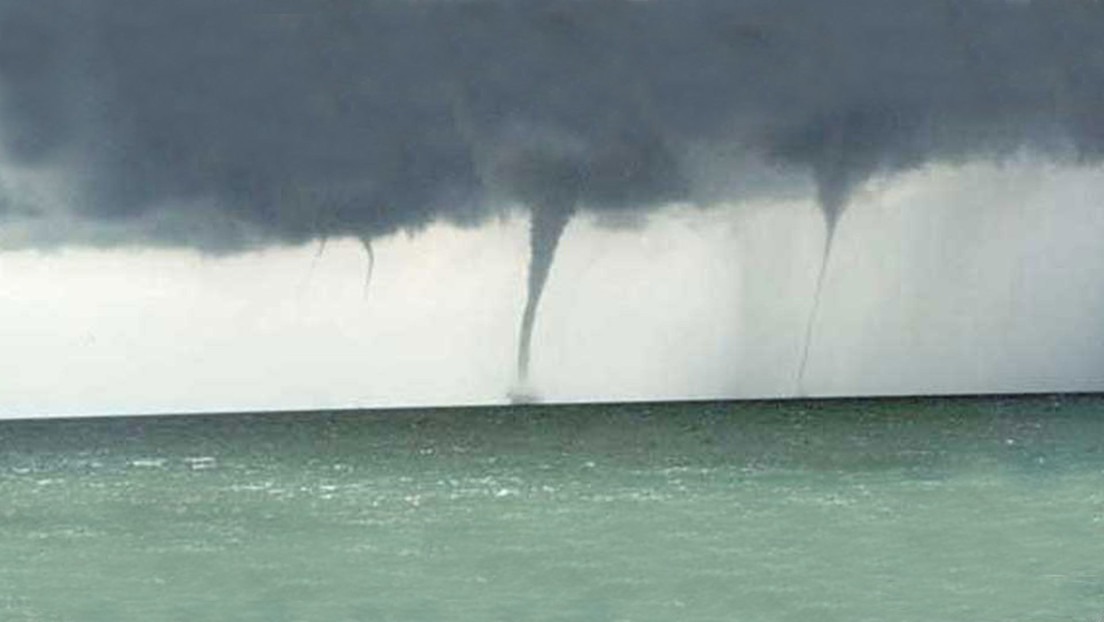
(287,121)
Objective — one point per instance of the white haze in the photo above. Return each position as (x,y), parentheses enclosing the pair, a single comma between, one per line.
(944,280)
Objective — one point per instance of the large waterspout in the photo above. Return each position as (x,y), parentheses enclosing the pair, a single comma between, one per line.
(545,228)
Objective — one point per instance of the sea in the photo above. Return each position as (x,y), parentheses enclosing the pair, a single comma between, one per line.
(903,510)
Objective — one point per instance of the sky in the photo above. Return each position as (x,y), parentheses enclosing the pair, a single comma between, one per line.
(656,195)
(692,304)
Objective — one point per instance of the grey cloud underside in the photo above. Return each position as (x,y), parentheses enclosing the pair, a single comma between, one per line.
(228,125)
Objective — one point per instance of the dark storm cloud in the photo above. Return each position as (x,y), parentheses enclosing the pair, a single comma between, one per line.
(295,120)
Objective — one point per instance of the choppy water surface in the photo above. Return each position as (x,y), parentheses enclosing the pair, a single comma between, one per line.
(955,509)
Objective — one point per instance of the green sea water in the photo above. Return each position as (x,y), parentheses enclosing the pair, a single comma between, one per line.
(968,509)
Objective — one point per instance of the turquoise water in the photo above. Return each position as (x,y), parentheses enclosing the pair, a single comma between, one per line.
(908,510)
